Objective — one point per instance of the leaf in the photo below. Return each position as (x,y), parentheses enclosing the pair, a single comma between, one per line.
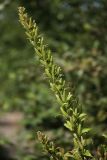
(47,71)
(58,99)
(87,153)
(79,129)
(69,96)
(85,130)
(82,115)
(68,125)
(63,112)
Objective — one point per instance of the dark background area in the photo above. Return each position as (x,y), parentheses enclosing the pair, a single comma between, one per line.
(76,32)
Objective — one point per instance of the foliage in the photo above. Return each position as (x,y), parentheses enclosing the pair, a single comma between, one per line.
(76,34)
(70,108)
(80,42)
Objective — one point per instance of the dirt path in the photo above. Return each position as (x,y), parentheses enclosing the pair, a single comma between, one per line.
(10,124)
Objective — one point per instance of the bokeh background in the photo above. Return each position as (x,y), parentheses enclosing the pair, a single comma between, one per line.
(76,32)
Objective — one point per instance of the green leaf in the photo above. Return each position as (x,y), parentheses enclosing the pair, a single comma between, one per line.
(85,130)
(87,153)
(63,112)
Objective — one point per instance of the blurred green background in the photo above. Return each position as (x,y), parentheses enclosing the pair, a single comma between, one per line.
(76,32)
